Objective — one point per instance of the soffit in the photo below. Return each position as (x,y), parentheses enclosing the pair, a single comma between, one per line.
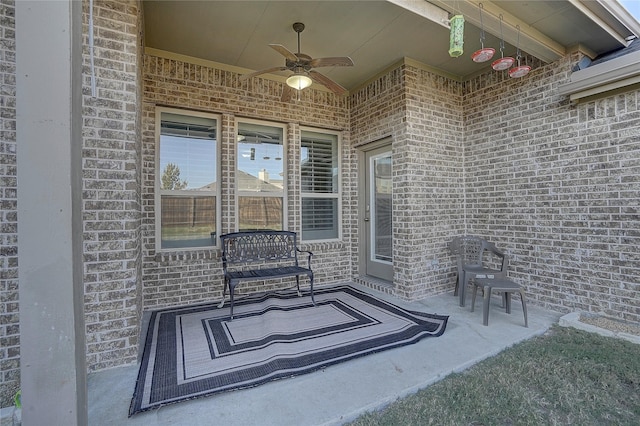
(375,34)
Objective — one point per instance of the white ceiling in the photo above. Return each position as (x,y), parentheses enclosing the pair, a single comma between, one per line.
(378,34)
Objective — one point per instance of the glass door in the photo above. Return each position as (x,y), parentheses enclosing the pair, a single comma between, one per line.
(378,213)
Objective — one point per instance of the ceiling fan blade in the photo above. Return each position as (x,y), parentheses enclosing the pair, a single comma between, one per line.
(255,73)
(287,93)
(327,82)
(284,52)
(339,61)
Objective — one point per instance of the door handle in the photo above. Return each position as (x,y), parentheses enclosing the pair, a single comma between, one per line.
(366,219)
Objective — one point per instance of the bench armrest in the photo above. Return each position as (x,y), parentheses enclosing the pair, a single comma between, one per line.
(309,254)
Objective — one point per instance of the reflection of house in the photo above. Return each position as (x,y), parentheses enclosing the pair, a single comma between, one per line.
(209,187)
(261,183)
(553,182)
(384,184)
(249,182)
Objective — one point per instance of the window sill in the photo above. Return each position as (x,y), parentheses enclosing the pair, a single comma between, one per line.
(323,246)
(187,255)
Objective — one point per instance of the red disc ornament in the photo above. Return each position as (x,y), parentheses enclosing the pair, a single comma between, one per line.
(483,55)
(519,71)
(502,63)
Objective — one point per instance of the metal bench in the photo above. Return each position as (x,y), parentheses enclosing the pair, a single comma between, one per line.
(261,255)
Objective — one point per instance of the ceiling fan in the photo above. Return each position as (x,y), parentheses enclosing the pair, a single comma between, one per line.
(302,66)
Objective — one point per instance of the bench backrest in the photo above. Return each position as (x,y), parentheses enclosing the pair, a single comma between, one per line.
(259,247)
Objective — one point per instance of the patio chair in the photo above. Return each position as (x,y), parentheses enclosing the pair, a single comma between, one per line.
(503,285)
(473,261)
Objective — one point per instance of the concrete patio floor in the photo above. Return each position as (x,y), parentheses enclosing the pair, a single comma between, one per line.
(341,392)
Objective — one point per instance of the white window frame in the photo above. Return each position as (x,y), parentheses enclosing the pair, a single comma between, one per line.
(158,192)
(285,173)
(334,195)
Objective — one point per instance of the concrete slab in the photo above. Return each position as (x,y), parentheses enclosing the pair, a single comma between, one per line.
(338,393)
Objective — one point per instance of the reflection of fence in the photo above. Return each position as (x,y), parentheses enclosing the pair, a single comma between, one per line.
(188,211)
(260,213)
(383,231)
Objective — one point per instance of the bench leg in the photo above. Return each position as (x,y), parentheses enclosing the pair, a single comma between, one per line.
(298,284)
(311,286)
(485,307)
(224,293)
(232,287)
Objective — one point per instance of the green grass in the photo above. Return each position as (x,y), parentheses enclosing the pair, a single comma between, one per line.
(565,377)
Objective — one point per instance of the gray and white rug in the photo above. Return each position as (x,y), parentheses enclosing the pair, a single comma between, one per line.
(195,351)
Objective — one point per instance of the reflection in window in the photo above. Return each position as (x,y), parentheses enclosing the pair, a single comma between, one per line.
(319,173)
(187,180)
(382,212)
(260,213)
(260,176)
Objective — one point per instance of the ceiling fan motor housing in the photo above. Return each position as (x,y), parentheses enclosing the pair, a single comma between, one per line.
(302,62)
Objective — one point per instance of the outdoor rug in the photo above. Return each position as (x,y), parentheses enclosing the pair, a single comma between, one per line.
(195,351)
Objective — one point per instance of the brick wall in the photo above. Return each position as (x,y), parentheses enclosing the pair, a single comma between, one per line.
(180,277)
(422,113)
(9,306)
(111,204)
(430,188)
(558,186)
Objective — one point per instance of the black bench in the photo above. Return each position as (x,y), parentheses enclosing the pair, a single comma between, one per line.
(261,255)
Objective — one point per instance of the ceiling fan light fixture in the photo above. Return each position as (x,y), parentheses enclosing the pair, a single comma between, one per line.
(299,81)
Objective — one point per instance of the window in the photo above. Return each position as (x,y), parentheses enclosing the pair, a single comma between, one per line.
(260,176)
(319,174)
(186,181)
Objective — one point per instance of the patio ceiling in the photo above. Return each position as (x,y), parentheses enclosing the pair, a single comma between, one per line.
(378,34)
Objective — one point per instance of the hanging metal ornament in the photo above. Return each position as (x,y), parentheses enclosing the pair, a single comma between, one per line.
(485,53)
(520,70)
(502,63)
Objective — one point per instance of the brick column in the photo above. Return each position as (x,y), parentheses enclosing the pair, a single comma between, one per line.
(111,184)
(9,306)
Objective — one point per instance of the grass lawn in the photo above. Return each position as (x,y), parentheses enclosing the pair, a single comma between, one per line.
(565,377)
